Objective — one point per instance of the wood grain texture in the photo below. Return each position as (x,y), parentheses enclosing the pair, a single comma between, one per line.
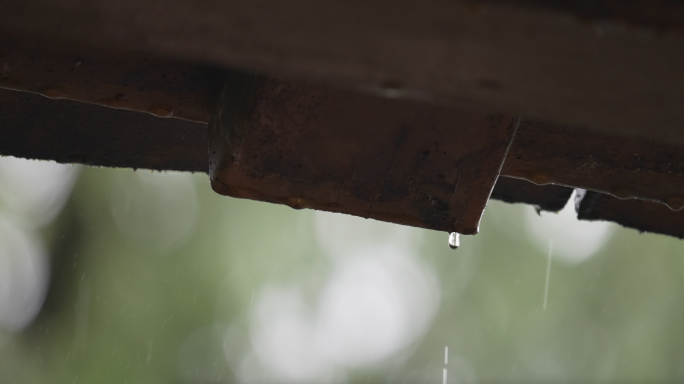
(619,166)
(643,216)
(123,80)
(35,127)
(617,71)
(309,146)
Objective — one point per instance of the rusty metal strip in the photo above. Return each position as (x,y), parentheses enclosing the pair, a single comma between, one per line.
(620,166)
(641,215)
(123,80)
(309,146)
(34,127)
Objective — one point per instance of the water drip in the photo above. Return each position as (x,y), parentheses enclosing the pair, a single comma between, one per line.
(454,240)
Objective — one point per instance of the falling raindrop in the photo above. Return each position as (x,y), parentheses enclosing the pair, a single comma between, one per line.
(548,274)
(454,240)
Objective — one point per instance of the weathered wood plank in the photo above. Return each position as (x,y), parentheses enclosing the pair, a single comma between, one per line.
(124,80)
(619,166)
(34,127)
(643,216)
(660,15)
(308,146)
(548,64)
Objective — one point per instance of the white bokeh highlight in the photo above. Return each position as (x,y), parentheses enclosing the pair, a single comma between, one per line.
(23,275)
(376,301)
(283,335)
(574,241)
(34,190)
(32,193)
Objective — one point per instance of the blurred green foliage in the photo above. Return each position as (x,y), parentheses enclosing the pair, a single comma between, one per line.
(156,279)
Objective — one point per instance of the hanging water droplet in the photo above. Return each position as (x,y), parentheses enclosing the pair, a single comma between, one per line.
(537,209)
(454,240)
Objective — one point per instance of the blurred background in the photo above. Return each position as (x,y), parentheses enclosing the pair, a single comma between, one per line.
(122,276)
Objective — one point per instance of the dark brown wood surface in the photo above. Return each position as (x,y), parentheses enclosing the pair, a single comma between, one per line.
(618,70)
(643,216)
(309,146)
(620,166)
(35,127)
(124,80)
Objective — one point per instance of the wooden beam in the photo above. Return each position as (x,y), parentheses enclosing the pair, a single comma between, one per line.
(309,146)
(660,15)
(641,215)
(123,80)
(622,167)
(618,71)
(34,127)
